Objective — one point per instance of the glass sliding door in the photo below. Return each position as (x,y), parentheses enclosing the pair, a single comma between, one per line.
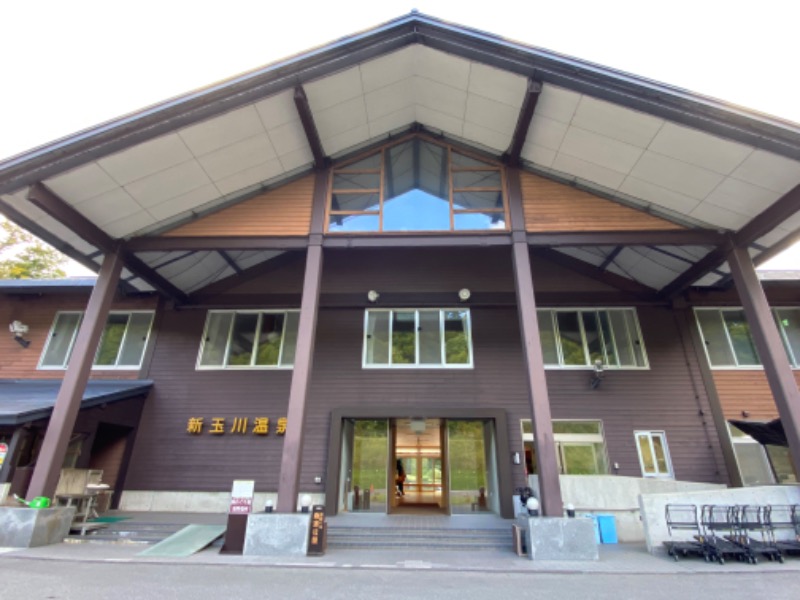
(365,455)
(470,453)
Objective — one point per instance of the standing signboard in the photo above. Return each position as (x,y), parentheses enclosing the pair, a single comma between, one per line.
(239,509)
(242,497)
(316,533)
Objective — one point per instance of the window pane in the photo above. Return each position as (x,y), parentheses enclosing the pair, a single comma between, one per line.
(717,346)
(242,339)
(269,339)
(471,179)
(135,339)
(403,338)
(462,160)
(290,338)
(593,341)
(478,200)
(636,342)
(455,337)
(782,463)
(608,339)
(753,464)
(217,330)
(569,334)
(64,330)
(579,459)
(367,201)
(587,427)
(356,181)
(527,426)
(416,210)
(789,322)
(660,453)
(373,161)
(547,336)
(111,340)
(430,339)
(739,332)
(377,342)
(354,223)
(645,451)
(479,221)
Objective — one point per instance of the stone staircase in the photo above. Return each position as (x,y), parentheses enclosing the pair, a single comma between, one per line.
(427,538)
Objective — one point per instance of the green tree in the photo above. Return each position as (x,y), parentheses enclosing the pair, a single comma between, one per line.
(26,257)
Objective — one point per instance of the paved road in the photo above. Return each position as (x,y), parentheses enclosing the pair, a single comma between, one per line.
(34,579)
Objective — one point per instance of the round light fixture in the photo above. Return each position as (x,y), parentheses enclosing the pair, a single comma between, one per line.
(373,296)
(464,294)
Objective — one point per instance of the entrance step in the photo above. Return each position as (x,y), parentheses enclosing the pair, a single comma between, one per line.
(376,538)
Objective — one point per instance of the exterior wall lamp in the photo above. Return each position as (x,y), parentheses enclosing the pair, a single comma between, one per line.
(464,294)
(597,374)
(19,329)
(373,296)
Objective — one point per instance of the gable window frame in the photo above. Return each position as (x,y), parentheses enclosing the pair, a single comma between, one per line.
(634,342)
(417,364)
(450,172)
(73,334)
(651,435)
(730,348)
(224,365)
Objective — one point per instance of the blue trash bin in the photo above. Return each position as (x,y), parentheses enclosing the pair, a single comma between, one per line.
(608,528)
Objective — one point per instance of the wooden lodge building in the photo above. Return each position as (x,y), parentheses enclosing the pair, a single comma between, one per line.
(421,248)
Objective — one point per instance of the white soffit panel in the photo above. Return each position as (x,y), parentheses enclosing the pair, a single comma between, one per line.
(585,254)
(699,148)
(146,159)
(770,171)
(224,130)
(80,184)
(250,258)
(617,122)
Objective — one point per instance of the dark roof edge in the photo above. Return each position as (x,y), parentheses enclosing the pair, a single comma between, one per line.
(747,126)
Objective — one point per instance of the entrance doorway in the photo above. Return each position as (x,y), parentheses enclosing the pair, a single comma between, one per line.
(420,466)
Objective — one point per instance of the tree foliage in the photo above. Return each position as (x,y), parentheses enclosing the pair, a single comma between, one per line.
(23,256)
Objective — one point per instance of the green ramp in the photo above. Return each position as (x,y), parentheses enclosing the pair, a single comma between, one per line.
(185,542)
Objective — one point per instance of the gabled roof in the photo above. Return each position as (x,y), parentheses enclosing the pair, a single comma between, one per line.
(688,158)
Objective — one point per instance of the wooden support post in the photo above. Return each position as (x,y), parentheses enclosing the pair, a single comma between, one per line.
(770,347)
(551,503)
(68,401)
(291,460)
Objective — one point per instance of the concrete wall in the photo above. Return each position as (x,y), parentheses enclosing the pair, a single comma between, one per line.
(618,496)
(4,489)
(199,502)
(653,507)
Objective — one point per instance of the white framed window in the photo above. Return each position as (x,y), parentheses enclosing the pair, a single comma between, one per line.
(428,338)
(121,346)
(249,339)
(729,344)
(578,338)
(580,447)
(751,457)
(653,453)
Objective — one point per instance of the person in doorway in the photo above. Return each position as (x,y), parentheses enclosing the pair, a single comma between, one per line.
(400,478)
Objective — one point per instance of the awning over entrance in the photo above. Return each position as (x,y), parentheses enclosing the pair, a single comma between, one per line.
(769,433)
(22,401)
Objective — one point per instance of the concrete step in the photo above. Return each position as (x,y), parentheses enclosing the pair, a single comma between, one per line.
(435,539)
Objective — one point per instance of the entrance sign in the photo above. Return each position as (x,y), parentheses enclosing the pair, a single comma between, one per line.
(242,497)
(316,533)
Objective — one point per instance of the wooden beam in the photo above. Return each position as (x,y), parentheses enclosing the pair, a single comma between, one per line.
(68,401)
(532,93)
(321,160)
(708,263)
(231,263)
(770,348)
(783,208)
(610,258)
(48,201)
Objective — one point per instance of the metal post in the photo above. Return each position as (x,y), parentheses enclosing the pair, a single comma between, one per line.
(68,402)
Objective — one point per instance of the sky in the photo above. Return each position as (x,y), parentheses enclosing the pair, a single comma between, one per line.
(67,66)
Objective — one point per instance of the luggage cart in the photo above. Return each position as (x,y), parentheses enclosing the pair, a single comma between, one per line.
(784,517)
(718,525)
(684,517)
(753,533)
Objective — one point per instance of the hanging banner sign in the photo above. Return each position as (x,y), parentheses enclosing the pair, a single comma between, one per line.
(242,497)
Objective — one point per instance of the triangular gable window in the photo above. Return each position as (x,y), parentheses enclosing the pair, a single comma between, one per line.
(417,185)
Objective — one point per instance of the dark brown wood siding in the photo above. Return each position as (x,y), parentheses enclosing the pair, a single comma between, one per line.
(669,396)
(745,394)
